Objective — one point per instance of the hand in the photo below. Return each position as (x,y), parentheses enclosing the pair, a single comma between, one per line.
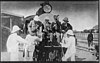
(63,31)
(61,44)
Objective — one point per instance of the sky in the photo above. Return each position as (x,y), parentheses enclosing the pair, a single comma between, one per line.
(82,15)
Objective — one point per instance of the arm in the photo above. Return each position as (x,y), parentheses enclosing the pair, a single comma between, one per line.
(40,29)
(92,37)
(39,37)
(27,37)
(63,44)
(30,24)
(20,39)
(88,37)
(68,42)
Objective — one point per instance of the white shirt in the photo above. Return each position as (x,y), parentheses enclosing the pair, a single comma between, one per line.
(32,41)
(13,41)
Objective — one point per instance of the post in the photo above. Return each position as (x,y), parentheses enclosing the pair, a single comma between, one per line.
(10,24)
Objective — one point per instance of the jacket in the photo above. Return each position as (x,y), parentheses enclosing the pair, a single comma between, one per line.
(90,37)
(13,41)
(69,43)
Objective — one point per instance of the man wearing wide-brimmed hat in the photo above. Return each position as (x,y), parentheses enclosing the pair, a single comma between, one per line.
(56,27)
(65,25)
(12,43)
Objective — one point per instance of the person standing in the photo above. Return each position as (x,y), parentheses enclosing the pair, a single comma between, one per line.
(90,40)
(69,43)
(56,28)
(12,43)
(32,40)
(47,30)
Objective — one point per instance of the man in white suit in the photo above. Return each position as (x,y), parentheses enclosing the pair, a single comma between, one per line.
(12,43)
(32,40)
(69,43)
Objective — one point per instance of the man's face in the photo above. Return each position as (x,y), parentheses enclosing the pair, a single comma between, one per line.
(65,23)
(18,32)
(47,20)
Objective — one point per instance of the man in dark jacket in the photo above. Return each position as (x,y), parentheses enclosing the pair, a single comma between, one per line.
(47,31)
(65,26)
(90,39)
(56,28)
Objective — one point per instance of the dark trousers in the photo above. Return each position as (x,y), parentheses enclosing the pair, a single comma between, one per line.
(90,43)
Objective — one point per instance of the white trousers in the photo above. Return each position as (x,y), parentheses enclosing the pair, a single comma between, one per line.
(14,56)
(68,55)
(29,50)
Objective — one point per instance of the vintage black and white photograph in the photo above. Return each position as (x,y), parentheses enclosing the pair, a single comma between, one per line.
(49,31)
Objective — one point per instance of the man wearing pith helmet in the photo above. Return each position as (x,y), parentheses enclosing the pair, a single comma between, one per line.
(69,43)
(12,43)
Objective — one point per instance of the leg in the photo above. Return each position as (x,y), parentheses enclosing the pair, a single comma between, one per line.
(66,56)
(51,36)
(26,51)
(32,52)
(14,56)
(73,57)
(31,55)
(88,45)
(91,44)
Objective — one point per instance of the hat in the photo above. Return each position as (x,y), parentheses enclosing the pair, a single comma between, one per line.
(36,18)
(56,16)
(65,19)
(70,32)
(15,28)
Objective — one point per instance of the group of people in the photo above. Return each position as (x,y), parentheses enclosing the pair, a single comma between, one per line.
(47,32)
